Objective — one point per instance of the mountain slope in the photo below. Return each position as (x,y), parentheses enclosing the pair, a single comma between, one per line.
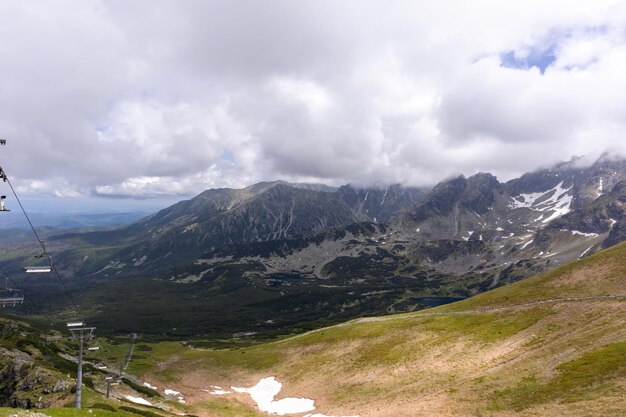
(279,258)
(511,219)
(38,371)
(553,344)
(262,212)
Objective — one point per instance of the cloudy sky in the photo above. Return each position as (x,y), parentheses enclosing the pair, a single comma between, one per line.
(154,98)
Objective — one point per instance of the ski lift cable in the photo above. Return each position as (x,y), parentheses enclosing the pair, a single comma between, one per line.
(43,247)
(8,277)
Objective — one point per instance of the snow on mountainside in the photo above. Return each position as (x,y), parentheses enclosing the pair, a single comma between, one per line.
(504,217)
(554,202)
(285,254)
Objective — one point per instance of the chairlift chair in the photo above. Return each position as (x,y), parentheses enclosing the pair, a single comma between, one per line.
(40,269)
(3,141)
(2,198)
(37,269)
(10,296)
(94,347)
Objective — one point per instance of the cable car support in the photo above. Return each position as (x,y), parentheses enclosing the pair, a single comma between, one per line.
(81,332)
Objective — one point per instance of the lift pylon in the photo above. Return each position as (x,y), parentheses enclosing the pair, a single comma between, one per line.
(80,332)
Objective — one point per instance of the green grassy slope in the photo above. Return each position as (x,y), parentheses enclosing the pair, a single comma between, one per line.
(36,370)
(553,344)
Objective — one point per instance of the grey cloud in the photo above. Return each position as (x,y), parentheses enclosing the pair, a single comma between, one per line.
(142,97)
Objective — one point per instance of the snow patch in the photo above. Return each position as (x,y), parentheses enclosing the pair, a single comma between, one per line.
(176,394)
(555,200)
(189,279)
(264,392)
(586,250)
(527,243)
(140,261)
(190,228)
(576,232)
(147,384)
(138,400)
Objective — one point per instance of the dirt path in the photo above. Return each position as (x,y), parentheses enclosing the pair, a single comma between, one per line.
(512,307)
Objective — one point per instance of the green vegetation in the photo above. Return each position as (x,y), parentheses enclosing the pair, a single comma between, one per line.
(68,412)
(140,388)
(225,408)
(498,353)
(576,380)
(493,354)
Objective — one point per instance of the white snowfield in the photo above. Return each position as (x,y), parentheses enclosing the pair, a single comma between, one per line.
(576,232)
(171,392)
(137,400)
(264,394)
(557,199)
(147,384)
(176,394)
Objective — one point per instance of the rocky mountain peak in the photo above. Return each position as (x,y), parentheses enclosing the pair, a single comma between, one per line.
(479,194)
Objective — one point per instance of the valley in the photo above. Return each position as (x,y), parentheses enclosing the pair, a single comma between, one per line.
(473,298)
(552,344)
(278,258)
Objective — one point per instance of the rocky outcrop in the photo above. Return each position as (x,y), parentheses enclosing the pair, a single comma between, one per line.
(24,384)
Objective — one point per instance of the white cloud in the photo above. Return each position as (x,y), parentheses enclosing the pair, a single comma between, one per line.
(169,98)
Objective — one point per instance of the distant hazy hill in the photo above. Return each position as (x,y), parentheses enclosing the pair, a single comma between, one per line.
(16,220)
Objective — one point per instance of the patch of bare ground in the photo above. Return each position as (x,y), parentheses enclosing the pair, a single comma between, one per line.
(586,276)
(194,380)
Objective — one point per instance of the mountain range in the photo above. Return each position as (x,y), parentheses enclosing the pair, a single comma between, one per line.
(277,255)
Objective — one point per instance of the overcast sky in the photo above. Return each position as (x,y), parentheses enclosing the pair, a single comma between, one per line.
(168,98)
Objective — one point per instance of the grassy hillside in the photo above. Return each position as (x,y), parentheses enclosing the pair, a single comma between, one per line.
(554,344)
(38,371)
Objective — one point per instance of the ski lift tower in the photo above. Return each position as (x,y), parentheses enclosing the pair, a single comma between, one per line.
(81,332)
